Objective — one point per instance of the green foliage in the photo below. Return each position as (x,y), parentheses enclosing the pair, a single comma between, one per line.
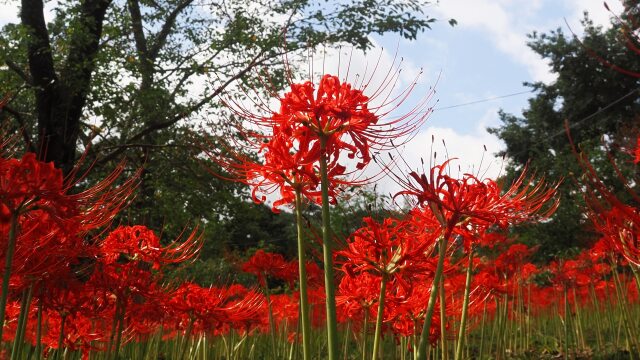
(601,107)
(155,83)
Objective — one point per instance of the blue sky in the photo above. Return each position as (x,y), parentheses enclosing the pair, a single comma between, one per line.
(484,56)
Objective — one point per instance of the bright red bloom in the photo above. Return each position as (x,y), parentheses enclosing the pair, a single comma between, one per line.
(387,248)
(138,243)
(481,201)
(314,121)
(263,264)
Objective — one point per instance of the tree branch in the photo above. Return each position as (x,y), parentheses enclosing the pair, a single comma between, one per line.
(16,68)
(26,136)
(166,29)
(161,125)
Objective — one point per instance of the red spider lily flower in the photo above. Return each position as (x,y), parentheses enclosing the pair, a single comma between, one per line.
(138,243)
(27,183)
(620,227)
(316,121)
(387,248)
(263,264)
(214,310)
(358,294)
(315,276)
(482,201)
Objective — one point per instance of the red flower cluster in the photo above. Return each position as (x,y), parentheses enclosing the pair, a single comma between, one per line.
(313,122)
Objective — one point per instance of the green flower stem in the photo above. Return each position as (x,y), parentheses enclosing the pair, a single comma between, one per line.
(272,323)
(365,335)
(121,319)
(59,351)
(483,325)
(424,336)
(327,252)
(38,349)
(376,337)
(11,247)
(18,340)
(187,335)
(465,307)
(443,322)
(304,301)
(566,324)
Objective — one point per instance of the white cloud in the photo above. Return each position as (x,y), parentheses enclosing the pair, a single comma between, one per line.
(8,13)
(503,22)
(596,9)
(467,149)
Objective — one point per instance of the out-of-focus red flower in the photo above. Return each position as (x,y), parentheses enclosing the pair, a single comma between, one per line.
(138,243)
(263,264)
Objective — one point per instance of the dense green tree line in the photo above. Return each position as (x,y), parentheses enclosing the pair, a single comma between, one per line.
(601,107)
(134,78)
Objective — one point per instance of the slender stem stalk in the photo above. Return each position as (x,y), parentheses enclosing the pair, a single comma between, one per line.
(465,307)
(424,336)
(304,301)
(187,335)
(121,319)
(272,323)
(11,247)
(376,337)
(443,323)
(61,336)
(38,349)
(23,318)
(327,251)
(365,334)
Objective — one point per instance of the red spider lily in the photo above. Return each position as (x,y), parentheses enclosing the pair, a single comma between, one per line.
(335,110)
(214,310)
(315,121)
(482,201)
(291,274)
(357,294)
(27,184)
(620,227)
(282,170)
(138,243)
(263,264)
(387,248)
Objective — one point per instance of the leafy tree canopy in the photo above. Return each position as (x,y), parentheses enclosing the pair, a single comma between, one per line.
(601,106)
(134,78)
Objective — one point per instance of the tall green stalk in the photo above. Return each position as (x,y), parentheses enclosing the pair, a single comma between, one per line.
(304,301)
(59,351)
(424,336)
(272,323)
(365,334)
(443,323)
(376,338)
(566,323)
(327,252)
(11,247)
(38,349)
(465,307)
(23,318)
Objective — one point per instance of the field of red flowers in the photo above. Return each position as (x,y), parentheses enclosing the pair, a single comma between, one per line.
(441,280)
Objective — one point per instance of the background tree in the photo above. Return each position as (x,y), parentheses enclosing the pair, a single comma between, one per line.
(601,106)
(134,78)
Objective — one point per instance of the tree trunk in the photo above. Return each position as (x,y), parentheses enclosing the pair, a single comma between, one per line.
(60,99)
